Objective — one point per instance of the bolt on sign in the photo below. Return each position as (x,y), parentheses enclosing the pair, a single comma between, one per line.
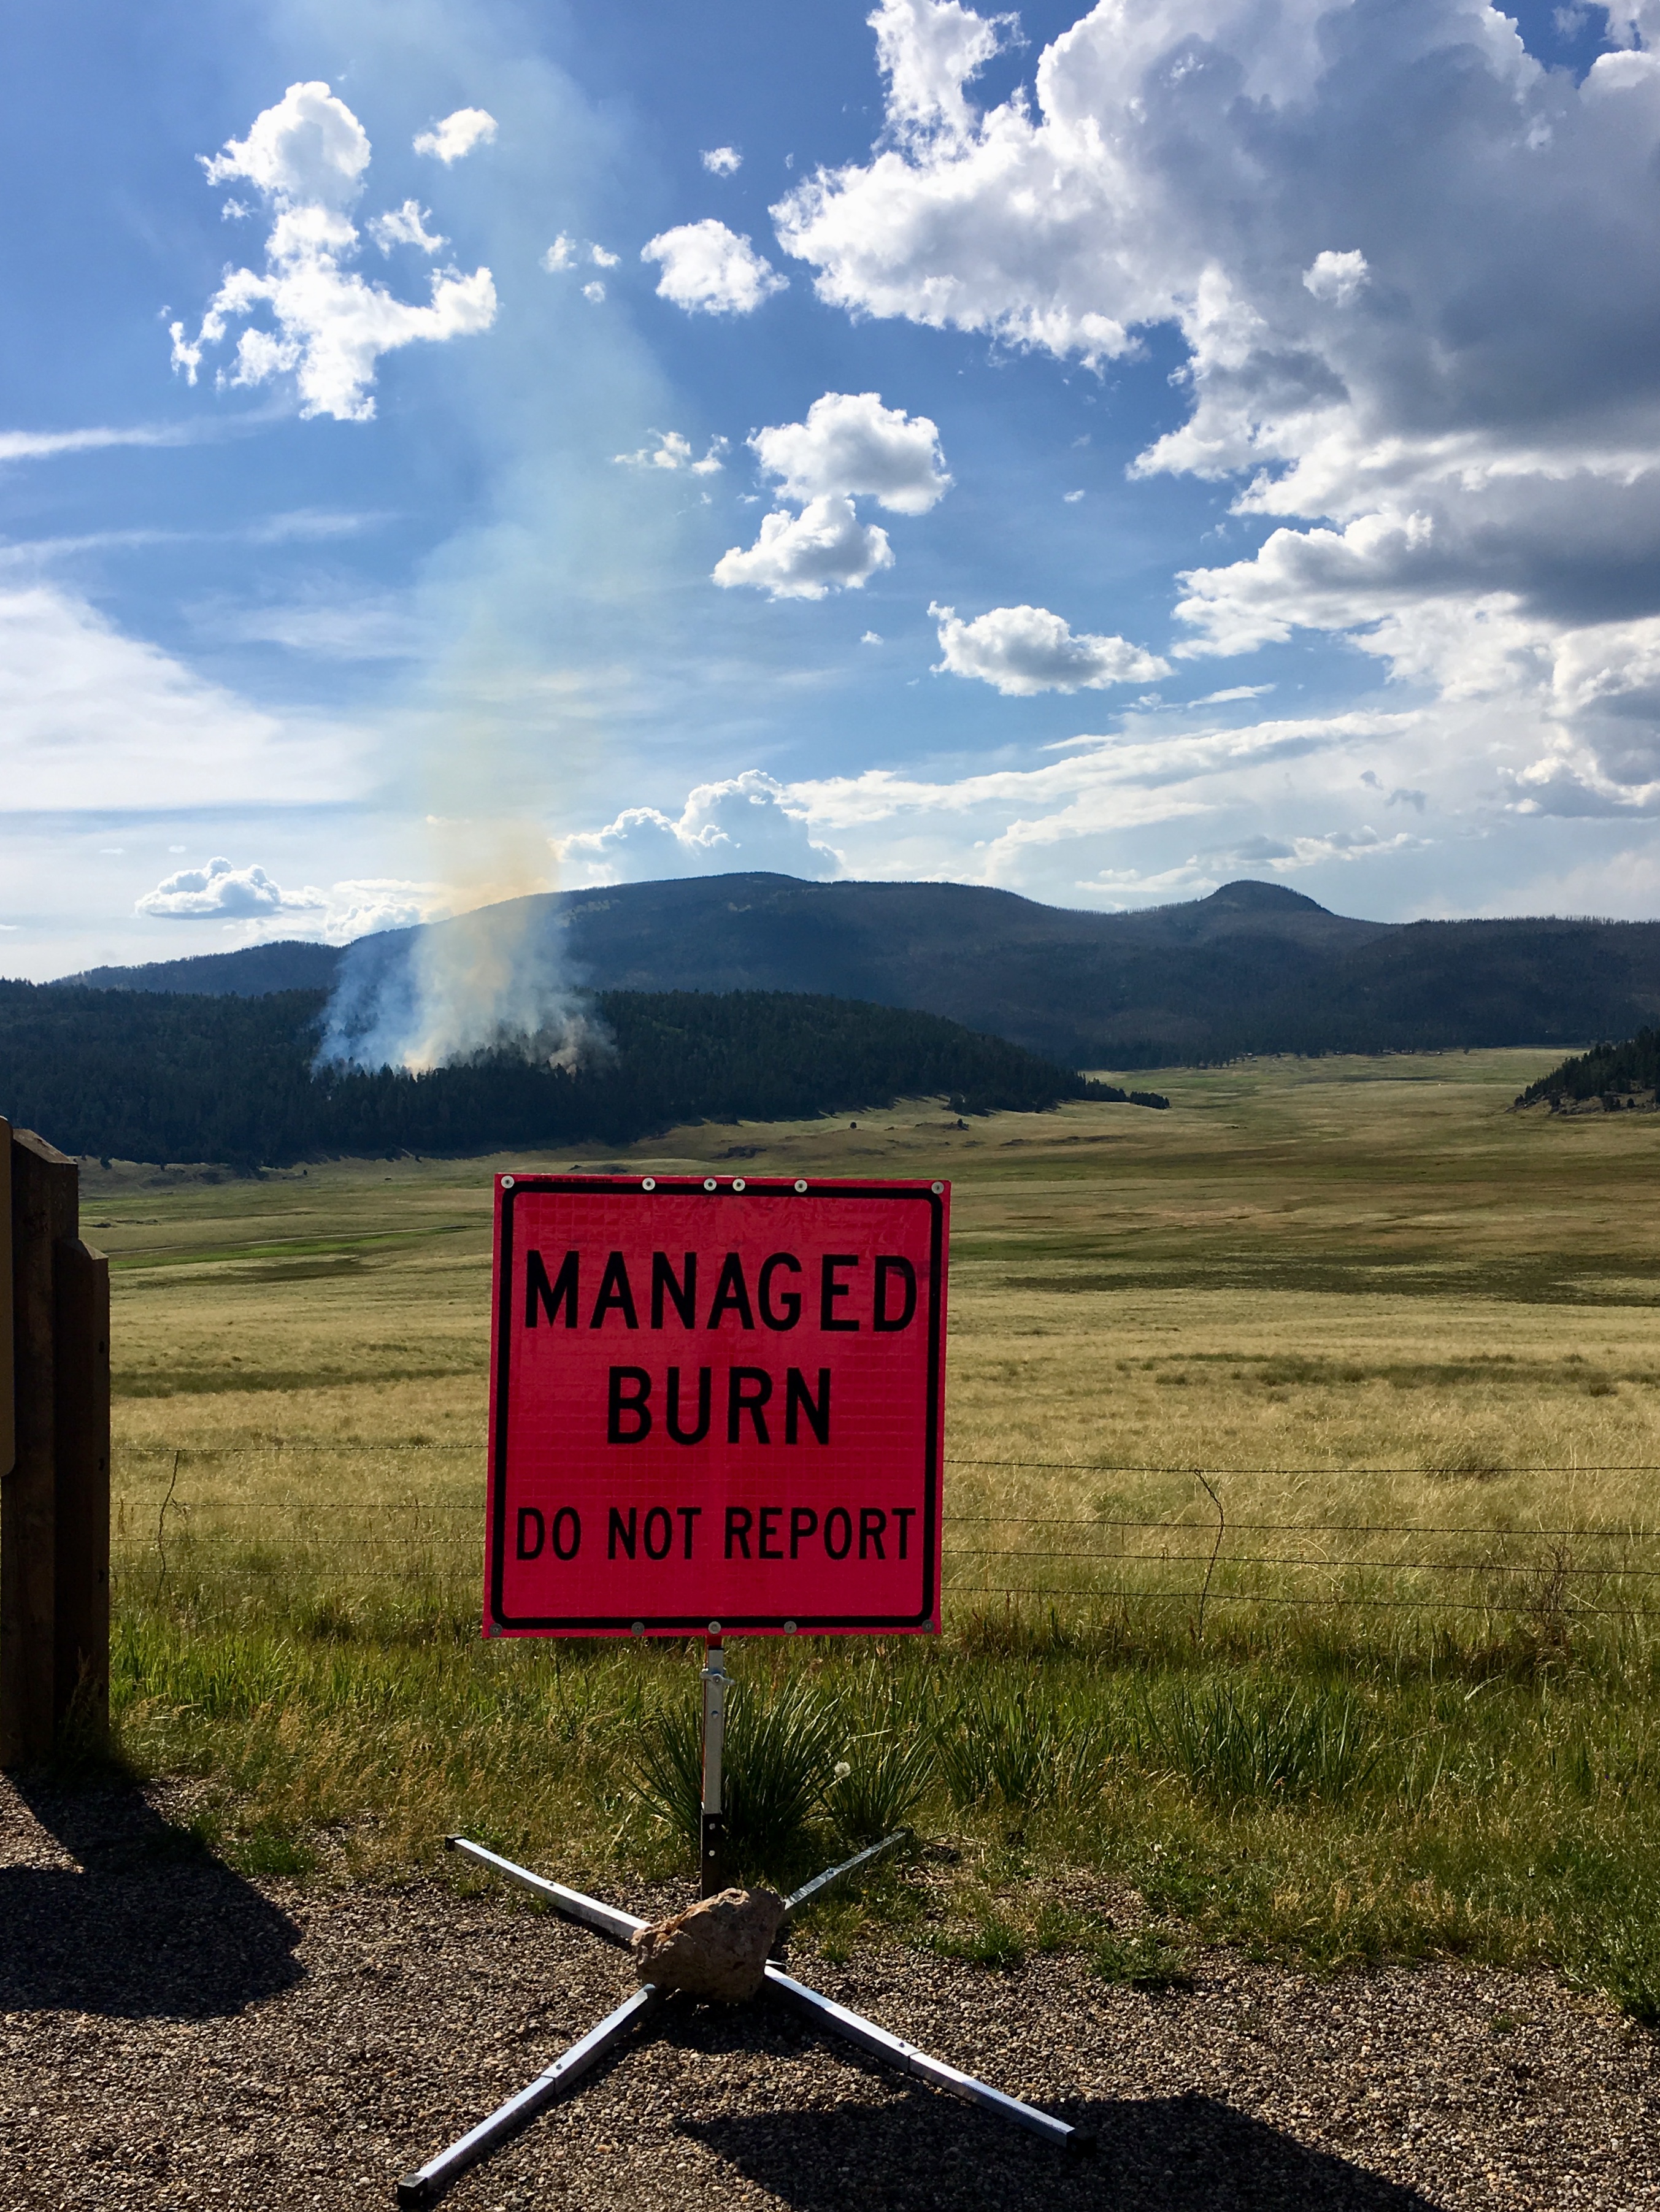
(715,1404)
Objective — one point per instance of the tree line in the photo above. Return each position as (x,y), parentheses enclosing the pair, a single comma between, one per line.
(156,1076)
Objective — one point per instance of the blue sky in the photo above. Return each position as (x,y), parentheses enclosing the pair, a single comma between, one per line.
(1097,454)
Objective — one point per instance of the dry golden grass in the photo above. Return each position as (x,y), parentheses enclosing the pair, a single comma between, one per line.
(1358,1295)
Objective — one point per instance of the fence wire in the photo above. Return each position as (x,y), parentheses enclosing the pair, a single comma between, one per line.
(170,1535)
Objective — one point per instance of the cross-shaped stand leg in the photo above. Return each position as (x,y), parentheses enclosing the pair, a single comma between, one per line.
(428,2183)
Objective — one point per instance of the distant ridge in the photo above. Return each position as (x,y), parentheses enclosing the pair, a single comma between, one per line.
(1255,967)
(289,964)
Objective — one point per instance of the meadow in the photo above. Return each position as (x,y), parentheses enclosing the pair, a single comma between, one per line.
(1303,1562)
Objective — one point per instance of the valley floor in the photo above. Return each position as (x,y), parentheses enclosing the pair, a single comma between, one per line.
(1303,1576)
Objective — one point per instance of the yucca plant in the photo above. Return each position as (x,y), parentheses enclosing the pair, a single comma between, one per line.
(779,1749)
(997,1746)
(1233,1742)
(879,1782)
(667,1770)
(887,1765)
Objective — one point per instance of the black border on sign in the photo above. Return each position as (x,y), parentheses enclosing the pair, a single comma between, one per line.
(502,1623)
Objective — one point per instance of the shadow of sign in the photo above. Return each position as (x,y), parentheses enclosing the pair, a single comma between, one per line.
(1186,2153)
(153,1926)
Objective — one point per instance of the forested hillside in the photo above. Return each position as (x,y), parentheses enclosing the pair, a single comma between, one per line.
(1255,968)
(154,1076)
(1606,1071)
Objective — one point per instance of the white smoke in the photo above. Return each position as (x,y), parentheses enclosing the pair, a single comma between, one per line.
(489,981)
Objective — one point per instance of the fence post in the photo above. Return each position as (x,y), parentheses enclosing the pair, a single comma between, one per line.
(81,1690)
(8,1438)
(60,1387)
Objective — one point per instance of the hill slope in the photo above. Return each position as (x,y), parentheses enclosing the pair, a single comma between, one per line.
(171,1076)
(1611,1073)
(1253,968)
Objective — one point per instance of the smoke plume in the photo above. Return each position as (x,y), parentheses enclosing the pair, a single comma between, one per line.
(487,982)
(491,978)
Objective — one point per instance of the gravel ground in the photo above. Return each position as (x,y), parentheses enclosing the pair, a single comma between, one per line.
(174,2035)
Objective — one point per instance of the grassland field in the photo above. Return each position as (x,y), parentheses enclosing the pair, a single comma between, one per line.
(1366,1360)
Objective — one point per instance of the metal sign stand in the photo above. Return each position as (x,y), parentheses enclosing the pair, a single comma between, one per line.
(427,2184)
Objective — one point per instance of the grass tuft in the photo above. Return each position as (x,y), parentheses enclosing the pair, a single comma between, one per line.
(990,1940)
(1233,1741)
(1146,1959)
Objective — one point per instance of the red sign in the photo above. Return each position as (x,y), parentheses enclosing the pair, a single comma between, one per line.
(716,1400)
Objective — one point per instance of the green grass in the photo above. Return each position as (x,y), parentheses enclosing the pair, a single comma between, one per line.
(992,1940)
(1145,1960)
(1322,1794)
(283,1248)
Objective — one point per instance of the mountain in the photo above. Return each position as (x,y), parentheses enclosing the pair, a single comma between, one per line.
(1254,968)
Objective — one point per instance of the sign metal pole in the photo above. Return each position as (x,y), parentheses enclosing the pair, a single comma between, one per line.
(712,1822)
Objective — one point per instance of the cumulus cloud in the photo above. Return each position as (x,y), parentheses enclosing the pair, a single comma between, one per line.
(851,443)
(1336,277)
(709,269)
(568,253)
(1438,383)
(249,898)
(363,904)
(309,150)
(457,135)
(825,548)
(927,52)
(747,823)
(405,226)
(1023,650)
(850,446)
(219,892)
(672,452)
(328,328)
(721,161)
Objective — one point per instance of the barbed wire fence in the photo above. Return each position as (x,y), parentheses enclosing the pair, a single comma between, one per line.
(186,1529)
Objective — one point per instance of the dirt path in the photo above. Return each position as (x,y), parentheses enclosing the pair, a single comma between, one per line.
(173,2035)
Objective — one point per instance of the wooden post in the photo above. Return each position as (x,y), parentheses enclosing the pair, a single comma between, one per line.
(80,1671)
(54,1577)
(8,1441)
